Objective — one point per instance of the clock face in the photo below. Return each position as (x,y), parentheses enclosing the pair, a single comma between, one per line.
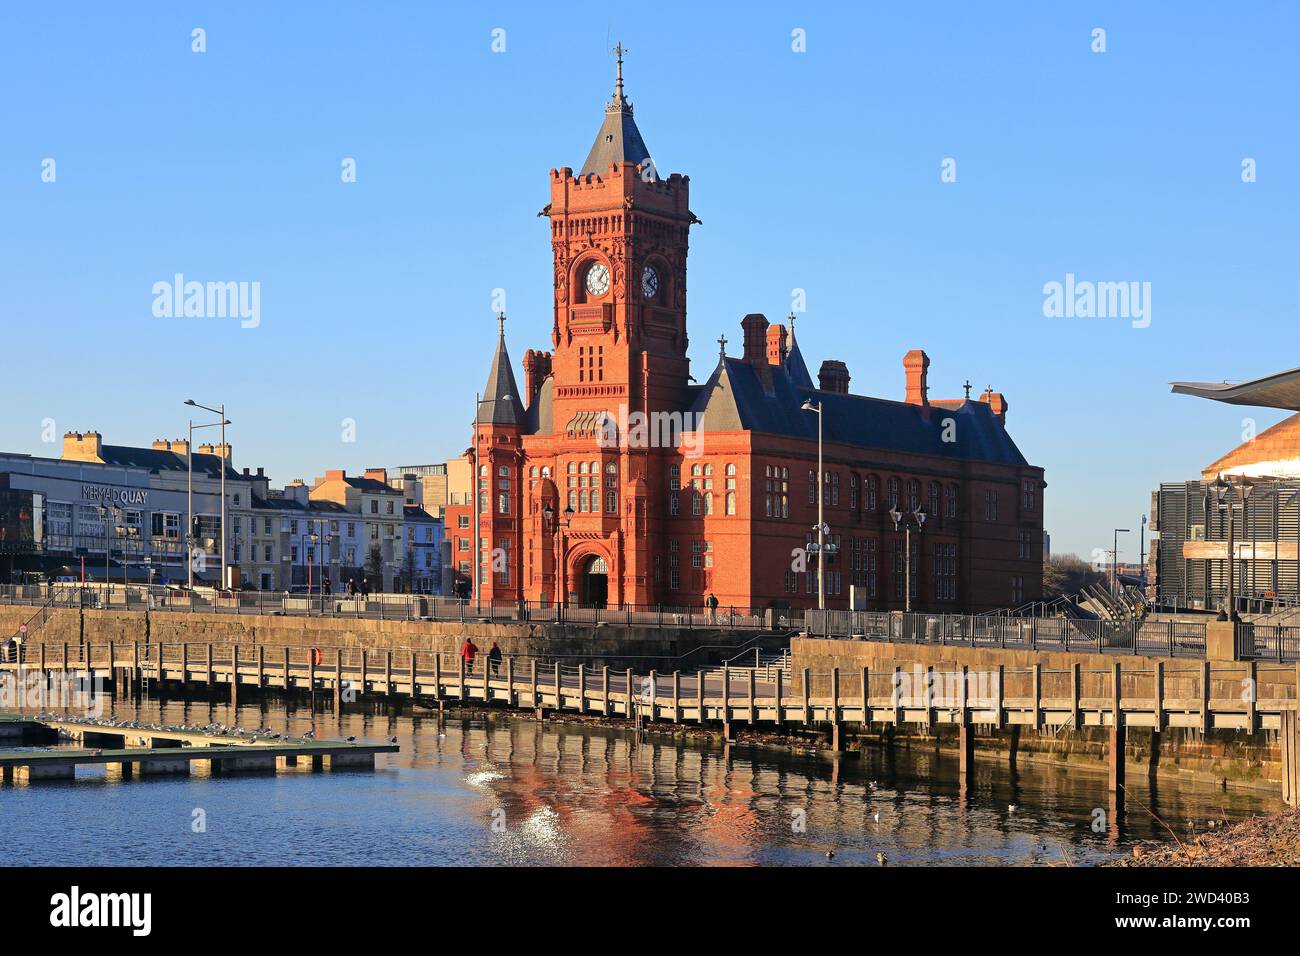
(649,282)
(598,279)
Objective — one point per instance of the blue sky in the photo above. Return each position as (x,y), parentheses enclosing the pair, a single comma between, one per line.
(817,170)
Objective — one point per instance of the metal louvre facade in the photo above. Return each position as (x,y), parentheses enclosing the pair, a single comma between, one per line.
(1188,519)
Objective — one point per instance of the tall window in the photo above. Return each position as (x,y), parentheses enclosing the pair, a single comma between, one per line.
(945,572)
(1029,495)
(674,565)
(913,494)
(730,472)
(873,492)
(853,492)
(835,489)
(1026,545)
(950,501)
(933,506)
(1017,590)
(991,505)
(893,496)
(812,487)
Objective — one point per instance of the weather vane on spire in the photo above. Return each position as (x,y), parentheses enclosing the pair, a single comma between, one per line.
(619,102)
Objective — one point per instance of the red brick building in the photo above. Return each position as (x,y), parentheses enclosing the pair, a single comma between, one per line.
(613,477)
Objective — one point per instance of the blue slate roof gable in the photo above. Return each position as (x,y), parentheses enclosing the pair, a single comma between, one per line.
(733,398)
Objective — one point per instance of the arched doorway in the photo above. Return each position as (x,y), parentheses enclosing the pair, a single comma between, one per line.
(595,582)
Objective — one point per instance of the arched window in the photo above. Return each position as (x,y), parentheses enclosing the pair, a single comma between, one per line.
(913,494)
(853,492)
(873,492)
(933,506)
(731,502)
(893,497)
(950,504)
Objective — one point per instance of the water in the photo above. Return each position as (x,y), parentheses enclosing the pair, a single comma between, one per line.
(515,792)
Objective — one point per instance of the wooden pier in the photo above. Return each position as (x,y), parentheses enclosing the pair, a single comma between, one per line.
(1116,694)
(31,765)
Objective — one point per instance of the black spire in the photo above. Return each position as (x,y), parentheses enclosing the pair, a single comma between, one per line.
(501,405)
(618,141)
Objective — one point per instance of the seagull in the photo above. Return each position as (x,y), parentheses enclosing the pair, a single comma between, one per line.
(877,816)
(1012,808)
(830,854)
(392,740)
(881,858)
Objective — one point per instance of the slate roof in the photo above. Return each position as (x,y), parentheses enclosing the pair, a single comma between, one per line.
(736,398)
(501,404)
(157,460)
(618,140)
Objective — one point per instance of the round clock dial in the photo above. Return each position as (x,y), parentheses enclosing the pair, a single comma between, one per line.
(598,279)
(649,282)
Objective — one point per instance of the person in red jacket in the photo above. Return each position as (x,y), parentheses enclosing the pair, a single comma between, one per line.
(467,652)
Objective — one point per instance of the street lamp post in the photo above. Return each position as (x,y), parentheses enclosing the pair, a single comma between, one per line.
(1223,496)
(189,449)
(810,406)
(548,518)
(918,517)
(479,402)
(1114,560)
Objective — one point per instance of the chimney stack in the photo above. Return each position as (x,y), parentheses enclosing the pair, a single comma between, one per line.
(834,377)
(997,404)
(776,344)
(755,329)
(537,365)
(83,446)
(378,474)
(917,366)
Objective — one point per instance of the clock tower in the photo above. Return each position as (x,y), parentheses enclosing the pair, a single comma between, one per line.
(619,236)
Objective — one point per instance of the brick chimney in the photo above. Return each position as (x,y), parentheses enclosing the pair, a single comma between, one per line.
(378,474)
(833,376)
(776,344)
(917,366)
(83,446)
(334,474)
(537,365)
(180,446)
(755,328)
(206,449)
(997,403)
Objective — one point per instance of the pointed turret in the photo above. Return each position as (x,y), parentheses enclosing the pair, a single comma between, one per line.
(618,141)
(794,363)
(501,404)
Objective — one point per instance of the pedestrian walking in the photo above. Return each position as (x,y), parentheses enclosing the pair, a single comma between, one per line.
(467,652)
(494,659)
(712,604)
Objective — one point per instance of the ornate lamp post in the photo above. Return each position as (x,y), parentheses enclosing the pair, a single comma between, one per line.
(1223,497)
(916,517)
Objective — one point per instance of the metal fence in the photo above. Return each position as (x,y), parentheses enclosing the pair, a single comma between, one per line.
(391,607)
(1159,638)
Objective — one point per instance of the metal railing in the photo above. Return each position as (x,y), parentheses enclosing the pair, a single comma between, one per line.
(386,606)
(1152,638)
